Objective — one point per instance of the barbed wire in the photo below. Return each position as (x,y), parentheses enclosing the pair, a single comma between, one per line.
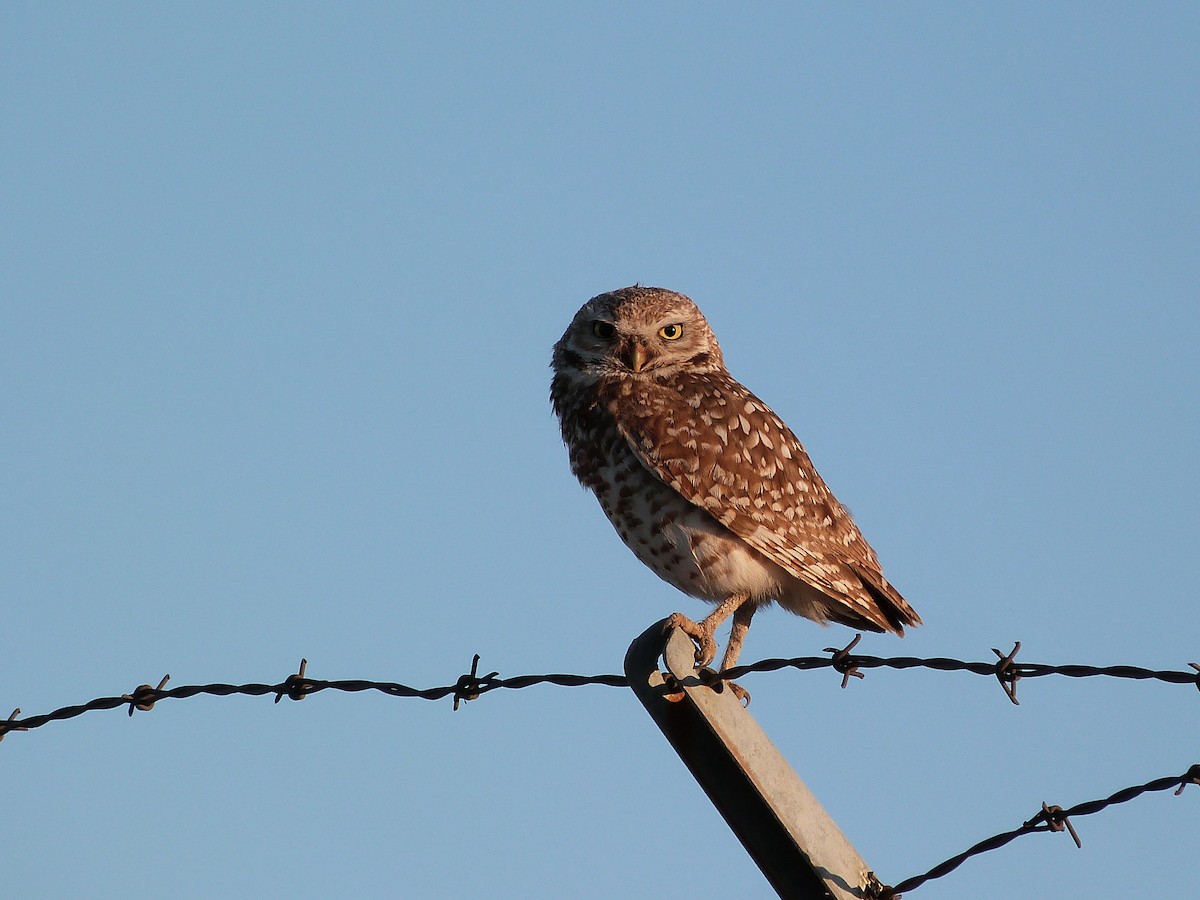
(1049,818)
(299,686)
(1005,669)
(471,686)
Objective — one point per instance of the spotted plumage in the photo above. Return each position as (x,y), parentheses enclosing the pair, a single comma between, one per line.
(703,482)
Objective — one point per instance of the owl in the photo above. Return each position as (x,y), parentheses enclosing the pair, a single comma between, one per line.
(701,480)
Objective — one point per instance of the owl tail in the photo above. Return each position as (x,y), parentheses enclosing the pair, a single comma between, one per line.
(894,609)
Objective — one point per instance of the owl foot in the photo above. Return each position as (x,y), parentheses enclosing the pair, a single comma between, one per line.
(740,692)
(706,649)
(706,646)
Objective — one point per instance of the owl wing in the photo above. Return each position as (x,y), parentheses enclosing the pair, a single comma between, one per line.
(725,451)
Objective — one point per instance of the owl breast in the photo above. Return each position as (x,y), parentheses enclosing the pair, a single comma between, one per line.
(680,542)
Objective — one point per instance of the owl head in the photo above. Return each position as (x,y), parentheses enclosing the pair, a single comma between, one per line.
(637,332)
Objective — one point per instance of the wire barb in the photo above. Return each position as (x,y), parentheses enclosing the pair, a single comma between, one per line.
(1007,674)
(1056,820)
(295,687)
(843,662)
(144,696)
(470,687)
(1191,776)
(8,724)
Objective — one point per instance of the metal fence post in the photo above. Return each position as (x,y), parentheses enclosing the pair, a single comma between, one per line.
(787,833)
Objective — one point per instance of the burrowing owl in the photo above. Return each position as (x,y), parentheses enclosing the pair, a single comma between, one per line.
(701,480)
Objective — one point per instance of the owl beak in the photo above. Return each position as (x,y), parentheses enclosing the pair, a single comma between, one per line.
(637,355)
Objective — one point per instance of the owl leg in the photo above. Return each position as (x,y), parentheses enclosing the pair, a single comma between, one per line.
(737,634)
(702,632)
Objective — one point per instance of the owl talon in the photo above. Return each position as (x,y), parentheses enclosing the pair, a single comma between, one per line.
(740,692)
(706,646)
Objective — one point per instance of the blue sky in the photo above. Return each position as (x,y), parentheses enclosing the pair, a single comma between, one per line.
(280,283)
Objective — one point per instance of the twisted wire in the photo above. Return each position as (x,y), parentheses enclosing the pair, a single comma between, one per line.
(1007,671)
(471,686)
(1049,818)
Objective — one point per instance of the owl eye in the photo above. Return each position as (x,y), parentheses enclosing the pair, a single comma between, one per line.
(604,330)
(671,332)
